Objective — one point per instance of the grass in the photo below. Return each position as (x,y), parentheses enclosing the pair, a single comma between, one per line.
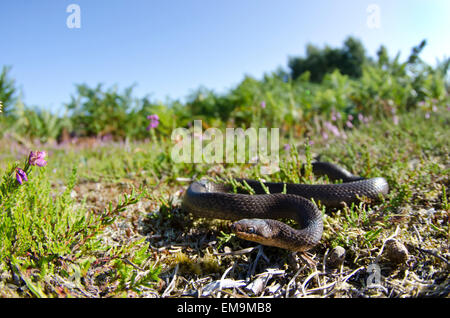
(103,220)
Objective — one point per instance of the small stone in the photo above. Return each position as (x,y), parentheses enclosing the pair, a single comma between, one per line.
(257,285)
(395,251)
(336,257)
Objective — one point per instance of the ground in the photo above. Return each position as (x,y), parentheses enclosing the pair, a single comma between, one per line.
(143,245)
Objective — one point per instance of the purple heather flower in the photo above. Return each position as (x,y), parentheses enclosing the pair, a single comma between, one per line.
(154,121)
(427,115)
(21,176)
(350,117)
(361,117)
(263,104)
(333,116)
(333,129)
(37,158)
(395,119)
(287,147)
(153,117)
(349,124)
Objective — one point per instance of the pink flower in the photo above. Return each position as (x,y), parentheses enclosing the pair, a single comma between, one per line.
(361,117)
(21,176)
(335,115)
(333,129)
(37,158)
(263,104)
(349,124)
(287,147)
(427,115)
(154,121)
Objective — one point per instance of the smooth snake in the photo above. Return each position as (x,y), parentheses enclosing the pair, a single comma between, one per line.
(256,215)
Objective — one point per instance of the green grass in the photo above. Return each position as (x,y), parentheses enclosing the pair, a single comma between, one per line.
(46,234)
(105,220)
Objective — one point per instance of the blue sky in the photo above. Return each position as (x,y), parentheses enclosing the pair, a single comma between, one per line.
(168,48)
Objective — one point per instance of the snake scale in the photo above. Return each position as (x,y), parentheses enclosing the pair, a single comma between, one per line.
(256,215)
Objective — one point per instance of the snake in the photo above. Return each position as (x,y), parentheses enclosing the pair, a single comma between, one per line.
(257,215)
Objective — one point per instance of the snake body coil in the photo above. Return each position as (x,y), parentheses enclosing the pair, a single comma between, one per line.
(256,214)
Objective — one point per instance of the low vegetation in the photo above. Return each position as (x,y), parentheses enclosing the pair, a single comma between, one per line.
(93,211)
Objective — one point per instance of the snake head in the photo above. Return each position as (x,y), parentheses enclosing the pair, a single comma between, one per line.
(275,233)
(255,230)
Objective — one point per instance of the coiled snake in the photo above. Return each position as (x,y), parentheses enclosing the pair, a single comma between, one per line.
(256,214)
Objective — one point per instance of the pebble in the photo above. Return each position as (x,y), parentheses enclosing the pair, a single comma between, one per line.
(336,257)
(396,251)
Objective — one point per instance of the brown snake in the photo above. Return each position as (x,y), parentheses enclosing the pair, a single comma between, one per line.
(256,214)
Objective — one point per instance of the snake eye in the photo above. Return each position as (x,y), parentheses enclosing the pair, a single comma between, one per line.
(251,230)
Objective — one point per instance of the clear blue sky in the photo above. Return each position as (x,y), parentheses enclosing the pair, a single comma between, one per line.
(171,47)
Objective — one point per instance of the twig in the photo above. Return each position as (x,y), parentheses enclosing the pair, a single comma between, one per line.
(308,279)
(324,287)
(431,252)
(352,273)
(234,294)
(293,279)
(126,260)
(378,287)
(255,262)
(223,277)
(417,233)
(239,252)
(172,283)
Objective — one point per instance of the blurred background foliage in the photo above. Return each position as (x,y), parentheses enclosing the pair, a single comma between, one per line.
(326,82)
